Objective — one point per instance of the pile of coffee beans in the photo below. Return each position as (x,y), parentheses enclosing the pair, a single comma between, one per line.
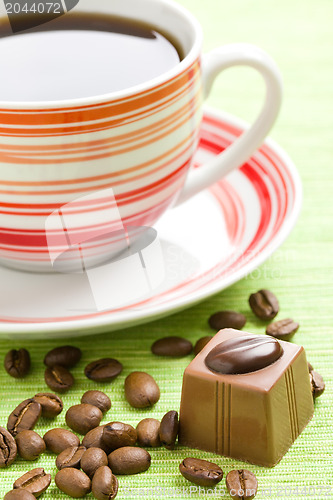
(106,450)
(117,448)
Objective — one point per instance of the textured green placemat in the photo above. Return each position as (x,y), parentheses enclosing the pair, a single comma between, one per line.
(298,34)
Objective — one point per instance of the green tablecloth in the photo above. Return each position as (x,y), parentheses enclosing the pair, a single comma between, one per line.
(298,34)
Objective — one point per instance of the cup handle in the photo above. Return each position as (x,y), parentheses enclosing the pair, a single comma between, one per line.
(242,148)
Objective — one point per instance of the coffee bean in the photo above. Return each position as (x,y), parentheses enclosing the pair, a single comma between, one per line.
(104,484)
(92,459)
(201,343)
(103,370)
(67,356)
(30,445)
(148,431)
(141,390)
(24,417)
(227,319)
(169,429)
(35,481)
(19,494)
(201,472)
(71,457)
(117,434)
(242,484)
(17,363)
(284,329)
(58,378)
(129,460)
(94,438)
(51,404)
(97,398)
(317,384)
(8,448)
(310,367)
(83,417)
(172,346)
(264,304)
(57,440)
(73,482)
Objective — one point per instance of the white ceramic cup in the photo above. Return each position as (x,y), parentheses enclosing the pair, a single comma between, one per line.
(76,174)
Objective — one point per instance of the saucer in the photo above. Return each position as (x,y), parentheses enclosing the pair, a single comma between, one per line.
(193,252)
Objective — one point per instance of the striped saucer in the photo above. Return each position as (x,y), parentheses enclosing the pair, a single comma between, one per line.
(194,251)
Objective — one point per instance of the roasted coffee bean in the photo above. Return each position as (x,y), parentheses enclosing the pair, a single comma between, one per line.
(227,319)
(141,390)
(35,481)
(94,438)
(284,329)
(201,472)
(58,378)
(201,343)
(71,457)
(19,494)
(24,417)
(73,482)
(82,418)
(172,346)
(97,398)
(117,434)
(129,460)
(103,370)
(57,440)
(17,363)
(169,429)
(92,459)
(104,484)
(148,431)
(242,484)
(51,404)
(67,356)
(30,445)
(264,304)
(317,384)
(8,448)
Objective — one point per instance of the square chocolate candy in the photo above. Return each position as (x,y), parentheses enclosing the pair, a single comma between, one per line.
(246,396)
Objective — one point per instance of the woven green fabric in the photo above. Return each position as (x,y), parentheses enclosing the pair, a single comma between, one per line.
(298,34)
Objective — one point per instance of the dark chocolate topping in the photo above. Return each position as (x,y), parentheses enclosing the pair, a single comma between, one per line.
(243,354)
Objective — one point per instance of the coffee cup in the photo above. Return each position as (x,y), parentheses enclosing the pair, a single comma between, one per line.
(78,172)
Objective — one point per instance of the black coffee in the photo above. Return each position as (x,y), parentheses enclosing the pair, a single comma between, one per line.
(81,55)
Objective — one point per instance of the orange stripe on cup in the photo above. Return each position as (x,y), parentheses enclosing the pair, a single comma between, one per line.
(130,105)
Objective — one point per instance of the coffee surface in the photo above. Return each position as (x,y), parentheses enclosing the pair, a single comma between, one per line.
(81,55)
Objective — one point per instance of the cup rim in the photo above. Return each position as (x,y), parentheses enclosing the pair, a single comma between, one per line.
(184,64)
